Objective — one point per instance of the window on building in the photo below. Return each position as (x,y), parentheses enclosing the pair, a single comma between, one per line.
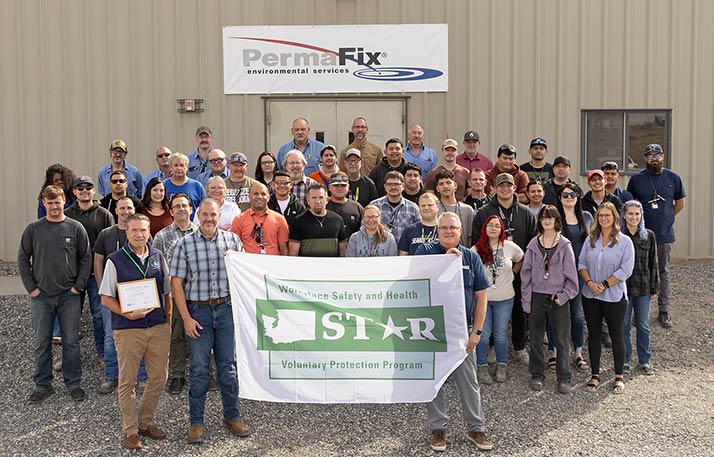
(621,136)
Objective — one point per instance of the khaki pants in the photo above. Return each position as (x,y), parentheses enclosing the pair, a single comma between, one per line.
(151,344)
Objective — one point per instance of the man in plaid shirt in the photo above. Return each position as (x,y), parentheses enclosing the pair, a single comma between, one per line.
(199,281)
(398,213)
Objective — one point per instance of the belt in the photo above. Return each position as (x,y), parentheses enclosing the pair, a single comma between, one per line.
(212,302)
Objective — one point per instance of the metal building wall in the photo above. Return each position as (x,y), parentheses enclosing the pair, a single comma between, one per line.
(75,74)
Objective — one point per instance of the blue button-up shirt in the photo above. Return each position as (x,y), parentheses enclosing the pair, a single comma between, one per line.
(208,174)
(603,262)
(311,152)
(135,184)
(196,165)
(427,159)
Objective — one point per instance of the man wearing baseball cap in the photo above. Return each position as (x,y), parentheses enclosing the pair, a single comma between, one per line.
(537,168)
(362,189)
(561,173)
(472,158)
(198,159)
(506,163)
(597,194)
(449,150)
(237,183)
(661,192)
(117,155)
(94,219)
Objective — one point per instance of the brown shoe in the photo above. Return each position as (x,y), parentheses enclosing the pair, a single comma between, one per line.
(438,440)
(153,432)
(237,427)
(132,442)
(480,440)
(195,434)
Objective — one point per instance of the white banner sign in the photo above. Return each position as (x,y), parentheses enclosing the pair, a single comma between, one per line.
(335,58)
(358,330)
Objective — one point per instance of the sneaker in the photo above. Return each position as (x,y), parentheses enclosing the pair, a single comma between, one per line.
(664,320)
(536,384)
(483,375)
(647,369)
(521,356)
(213,385)
(132,442)
(501,372)
(107,387)
(195,434)
(480,440)
(77,394)
(564,387)
(176,385)
(438,440)
(57,366)
(57,340)
(153,432)
(237,427)
(38,395)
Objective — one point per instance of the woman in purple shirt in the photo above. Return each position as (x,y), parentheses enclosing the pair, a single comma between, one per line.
(606,261)
(549,280)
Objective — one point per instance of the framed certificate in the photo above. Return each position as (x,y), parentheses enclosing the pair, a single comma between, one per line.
(140,294)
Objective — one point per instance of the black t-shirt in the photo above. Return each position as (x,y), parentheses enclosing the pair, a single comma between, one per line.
(318,236)
(363,191)
(351,212)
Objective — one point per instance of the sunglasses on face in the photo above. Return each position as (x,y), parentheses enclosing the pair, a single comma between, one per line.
(162,156)
(85,187)
(215,161)
(569,195)
(118,181)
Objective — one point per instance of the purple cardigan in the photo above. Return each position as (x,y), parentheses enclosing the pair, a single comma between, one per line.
(563,275)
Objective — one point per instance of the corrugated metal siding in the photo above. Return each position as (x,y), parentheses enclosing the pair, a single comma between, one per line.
(76,74)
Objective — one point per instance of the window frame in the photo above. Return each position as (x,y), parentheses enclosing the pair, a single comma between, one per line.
(666,144)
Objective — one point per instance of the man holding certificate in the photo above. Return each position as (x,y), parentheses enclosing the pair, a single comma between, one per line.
(136,289)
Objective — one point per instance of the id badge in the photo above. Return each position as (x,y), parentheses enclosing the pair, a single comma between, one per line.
(654,205)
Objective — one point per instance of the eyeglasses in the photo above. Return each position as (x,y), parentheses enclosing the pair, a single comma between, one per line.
(654,155)
(449,228)
(281,183)
(353,161)
(371,217)
(215,161)
(393,184)
(569,195)
(84,187)
(118,181)
(267,162)
(494,226)
(164,155)
(181,205)
(359,126)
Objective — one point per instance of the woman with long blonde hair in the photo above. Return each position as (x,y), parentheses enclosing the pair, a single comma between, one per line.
(373,239)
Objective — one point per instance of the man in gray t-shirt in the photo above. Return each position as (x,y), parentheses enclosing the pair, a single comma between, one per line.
(54,261)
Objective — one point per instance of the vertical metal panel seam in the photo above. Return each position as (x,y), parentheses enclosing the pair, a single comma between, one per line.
(110,72)
(538,79)
(157,130)
(606,44)
(21,111)
(694,103)
(559,79)
(88,88)
(43,88)
(177,72)
(627,51)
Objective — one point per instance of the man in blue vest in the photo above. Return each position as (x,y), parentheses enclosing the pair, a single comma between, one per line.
(139,333)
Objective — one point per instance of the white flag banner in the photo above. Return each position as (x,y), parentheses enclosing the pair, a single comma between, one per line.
(357,330)
(335,58)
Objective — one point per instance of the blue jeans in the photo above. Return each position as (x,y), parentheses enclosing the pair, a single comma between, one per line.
(111,364)
(95,307)
(498,313)
(218,334)
(641,306)
(577,324)
(66,308)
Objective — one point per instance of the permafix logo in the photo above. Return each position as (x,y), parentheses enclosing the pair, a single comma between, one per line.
(317,326)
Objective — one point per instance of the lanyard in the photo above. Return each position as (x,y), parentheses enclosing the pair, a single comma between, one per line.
(143,272)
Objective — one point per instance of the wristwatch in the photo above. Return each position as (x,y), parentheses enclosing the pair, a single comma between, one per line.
(477,331)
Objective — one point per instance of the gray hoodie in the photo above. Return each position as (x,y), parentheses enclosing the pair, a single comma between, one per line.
(360,245)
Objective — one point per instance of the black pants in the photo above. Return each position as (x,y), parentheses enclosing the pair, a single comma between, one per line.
(542,308)
(518,318)
(614,314)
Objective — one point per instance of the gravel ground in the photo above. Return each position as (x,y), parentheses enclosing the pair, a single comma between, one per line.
(669,413)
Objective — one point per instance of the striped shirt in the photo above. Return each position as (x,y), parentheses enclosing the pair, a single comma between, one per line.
(199,260)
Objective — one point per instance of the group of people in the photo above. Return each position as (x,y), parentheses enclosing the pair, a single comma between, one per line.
(538,253)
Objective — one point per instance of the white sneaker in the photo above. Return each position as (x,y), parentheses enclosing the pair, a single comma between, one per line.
(521,356)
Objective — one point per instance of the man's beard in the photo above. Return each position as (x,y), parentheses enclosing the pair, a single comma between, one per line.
(654,168)
(295,175)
